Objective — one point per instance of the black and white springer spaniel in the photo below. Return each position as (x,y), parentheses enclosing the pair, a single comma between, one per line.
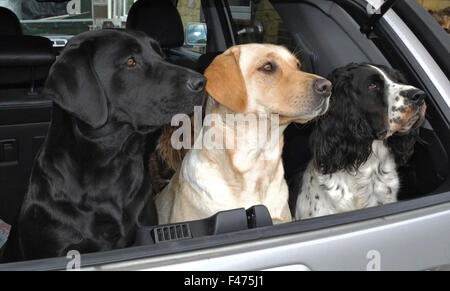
(370,129)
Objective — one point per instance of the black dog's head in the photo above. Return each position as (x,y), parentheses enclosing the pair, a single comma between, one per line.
(368,103)
(120,76)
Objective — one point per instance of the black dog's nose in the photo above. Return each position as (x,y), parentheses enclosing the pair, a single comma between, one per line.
(416,96)
(197,84)
(323,87)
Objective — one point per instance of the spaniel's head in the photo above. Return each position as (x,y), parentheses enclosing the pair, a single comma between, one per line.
(369,102)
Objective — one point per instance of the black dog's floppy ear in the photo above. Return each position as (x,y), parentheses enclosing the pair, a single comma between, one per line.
(342,138)
(74,85)
(157,47)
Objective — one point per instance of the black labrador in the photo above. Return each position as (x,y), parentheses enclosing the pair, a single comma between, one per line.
(89,189)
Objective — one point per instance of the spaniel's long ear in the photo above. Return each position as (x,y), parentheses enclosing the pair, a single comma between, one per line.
(74,85)
(225,80)
(402,146)
(341,139)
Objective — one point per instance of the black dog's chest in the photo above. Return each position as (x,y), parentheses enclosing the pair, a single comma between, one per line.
(84,200)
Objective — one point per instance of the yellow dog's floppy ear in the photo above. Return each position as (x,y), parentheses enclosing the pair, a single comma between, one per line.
(225,81)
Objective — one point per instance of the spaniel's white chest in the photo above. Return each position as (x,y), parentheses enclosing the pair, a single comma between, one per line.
(375,183)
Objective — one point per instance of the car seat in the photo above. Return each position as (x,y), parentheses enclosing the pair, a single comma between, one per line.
(160,20)
(24,113)
(9,23)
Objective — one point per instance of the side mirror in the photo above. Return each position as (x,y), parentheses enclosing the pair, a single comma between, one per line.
(195,34)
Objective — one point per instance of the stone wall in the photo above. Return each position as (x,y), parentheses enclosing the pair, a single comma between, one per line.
(274,28)
(435,5)
(270,19)
(189,11)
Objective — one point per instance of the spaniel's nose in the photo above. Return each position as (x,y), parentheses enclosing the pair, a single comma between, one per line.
(323,87)
(416,96)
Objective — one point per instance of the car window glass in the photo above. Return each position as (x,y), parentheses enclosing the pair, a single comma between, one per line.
(194,25)
(440,10)
(259,23)
(59,21)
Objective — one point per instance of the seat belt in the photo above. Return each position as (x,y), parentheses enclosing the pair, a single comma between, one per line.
(368,27)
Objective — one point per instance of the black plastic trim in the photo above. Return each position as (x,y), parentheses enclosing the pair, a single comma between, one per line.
(221,14)
(216,36)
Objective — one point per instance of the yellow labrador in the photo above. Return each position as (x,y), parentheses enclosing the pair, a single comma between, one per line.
(255,79)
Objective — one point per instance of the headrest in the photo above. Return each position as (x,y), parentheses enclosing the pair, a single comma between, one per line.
(24,59)
(205,60)
(9,23)
(159,19)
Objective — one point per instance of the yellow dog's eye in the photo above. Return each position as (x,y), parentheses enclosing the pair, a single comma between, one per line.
(267,67)
(372,86)
(131,62)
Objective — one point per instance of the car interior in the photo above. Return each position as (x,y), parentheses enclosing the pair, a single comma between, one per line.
(322,33)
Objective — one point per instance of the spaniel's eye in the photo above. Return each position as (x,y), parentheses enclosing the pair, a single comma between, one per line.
(372,86)
(299,66)
(131,62)
(268,68)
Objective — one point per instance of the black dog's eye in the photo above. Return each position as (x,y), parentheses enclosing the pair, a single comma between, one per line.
(131,62)
(268,68)
(372,86)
